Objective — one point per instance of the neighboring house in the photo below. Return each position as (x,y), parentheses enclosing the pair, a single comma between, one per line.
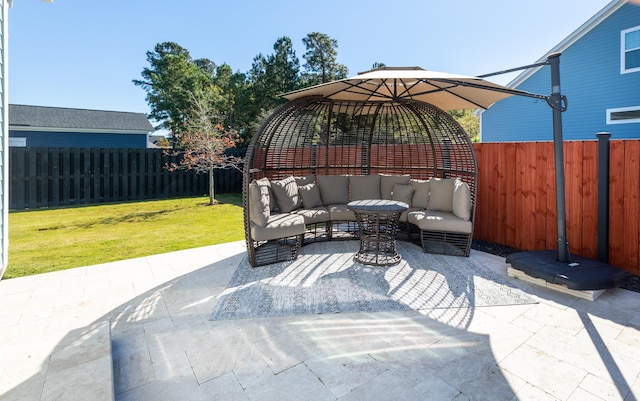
(159,141)
(599,75)
(66,127)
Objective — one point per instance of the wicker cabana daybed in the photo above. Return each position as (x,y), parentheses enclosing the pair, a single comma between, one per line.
(313,136)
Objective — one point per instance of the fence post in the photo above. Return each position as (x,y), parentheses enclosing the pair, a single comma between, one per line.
(603,196)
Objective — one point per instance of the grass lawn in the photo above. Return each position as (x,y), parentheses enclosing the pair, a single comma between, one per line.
(48,240)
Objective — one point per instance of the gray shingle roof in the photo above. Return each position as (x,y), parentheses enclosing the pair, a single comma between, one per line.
(77,119)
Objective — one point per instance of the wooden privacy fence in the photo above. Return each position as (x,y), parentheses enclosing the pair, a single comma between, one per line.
(515,205)
(516,198)
(54,177)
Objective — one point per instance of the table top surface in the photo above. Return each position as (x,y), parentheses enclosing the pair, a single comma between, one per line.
(377,205)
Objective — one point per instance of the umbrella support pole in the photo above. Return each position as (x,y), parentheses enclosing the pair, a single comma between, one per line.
(581,277)
(556,102)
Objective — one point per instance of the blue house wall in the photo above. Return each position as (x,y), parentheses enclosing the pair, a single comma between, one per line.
(80,139)
(591,80)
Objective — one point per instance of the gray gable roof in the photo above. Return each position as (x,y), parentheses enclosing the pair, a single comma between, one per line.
(57,118)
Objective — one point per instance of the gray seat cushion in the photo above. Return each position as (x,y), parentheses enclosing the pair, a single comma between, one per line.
(404,216)
(281,225)
(318,214)
(432,220)
(340,212)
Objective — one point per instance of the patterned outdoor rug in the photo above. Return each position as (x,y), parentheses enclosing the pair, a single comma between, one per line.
(326,279)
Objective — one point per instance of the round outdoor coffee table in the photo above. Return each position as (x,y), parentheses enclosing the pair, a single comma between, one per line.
(378,222)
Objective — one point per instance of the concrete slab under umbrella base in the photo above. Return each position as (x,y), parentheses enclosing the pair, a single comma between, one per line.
(582,277)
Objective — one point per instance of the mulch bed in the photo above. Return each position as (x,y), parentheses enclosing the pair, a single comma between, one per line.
(502,250)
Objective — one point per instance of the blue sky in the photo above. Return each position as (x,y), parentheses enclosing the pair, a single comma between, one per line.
(85,53)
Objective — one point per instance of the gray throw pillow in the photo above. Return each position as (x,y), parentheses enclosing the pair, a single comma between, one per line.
(310,195)
(420,193)
(402,193)
(259,210)
(286,193)
(388,181)
(305,180)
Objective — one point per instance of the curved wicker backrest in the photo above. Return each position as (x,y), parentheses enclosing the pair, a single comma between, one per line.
(313,135)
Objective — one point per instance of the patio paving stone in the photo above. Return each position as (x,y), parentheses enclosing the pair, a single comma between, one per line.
(341,378)
(225,387)
(529,364)
(387,386)
(165,346)
(294,384)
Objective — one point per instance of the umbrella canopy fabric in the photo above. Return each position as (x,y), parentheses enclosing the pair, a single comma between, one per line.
(391,84)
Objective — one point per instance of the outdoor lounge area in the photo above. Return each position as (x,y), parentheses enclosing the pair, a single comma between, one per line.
(314,155)
(142,329)
(320,302)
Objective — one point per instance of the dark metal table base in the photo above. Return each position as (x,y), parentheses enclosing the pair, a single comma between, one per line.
(377,238)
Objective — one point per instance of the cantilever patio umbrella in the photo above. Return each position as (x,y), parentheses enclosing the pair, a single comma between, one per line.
(451,92)
(444,90)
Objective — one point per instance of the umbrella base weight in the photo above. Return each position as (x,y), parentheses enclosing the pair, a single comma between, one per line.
(581,274)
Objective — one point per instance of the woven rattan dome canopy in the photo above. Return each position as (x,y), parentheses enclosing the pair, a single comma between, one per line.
(315,135)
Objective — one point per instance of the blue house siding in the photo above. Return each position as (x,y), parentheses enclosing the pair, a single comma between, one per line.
(81,139)
(590,78)
(520,118)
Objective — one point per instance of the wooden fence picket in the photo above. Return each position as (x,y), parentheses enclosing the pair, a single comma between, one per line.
(516,198)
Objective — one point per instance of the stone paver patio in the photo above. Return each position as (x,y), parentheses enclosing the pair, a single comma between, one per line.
(140,330)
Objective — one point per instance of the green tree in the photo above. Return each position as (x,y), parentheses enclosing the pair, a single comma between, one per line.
(321,60)
(269,77)
(233,87)
(171,78)
(469,121)
(274,75)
